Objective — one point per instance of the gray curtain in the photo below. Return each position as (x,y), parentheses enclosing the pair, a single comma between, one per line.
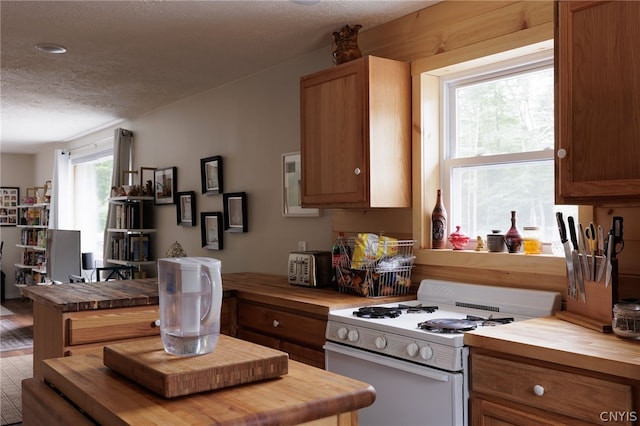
(122,160)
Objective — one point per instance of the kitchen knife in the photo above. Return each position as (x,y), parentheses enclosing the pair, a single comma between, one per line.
(567,254)
(605,257)
(586,270)
(615,238)
(576,257)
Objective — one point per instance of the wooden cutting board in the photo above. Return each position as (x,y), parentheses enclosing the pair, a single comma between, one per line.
(233,362)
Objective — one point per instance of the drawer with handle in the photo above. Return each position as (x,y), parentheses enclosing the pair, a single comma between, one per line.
(111,324)
(572,394)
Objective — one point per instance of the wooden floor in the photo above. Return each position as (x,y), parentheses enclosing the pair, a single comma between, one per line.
(23,317)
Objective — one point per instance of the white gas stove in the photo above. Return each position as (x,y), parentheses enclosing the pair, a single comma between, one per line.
(423,339)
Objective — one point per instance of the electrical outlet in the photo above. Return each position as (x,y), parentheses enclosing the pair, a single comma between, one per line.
(302,246)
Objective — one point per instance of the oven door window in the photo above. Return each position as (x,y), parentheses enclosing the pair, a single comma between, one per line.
(407,394)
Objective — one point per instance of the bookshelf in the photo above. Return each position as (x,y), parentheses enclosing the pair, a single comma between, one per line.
(33,221)
(130,231)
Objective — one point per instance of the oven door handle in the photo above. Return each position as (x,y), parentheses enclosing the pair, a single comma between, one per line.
(407,366)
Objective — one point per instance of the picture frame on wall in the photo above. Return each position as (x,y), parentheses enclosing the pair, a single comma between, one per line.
(9,200)
(291,182)
(186,208)
(147,177)
(211,230)
(165,185)
(235,212)
(211,175)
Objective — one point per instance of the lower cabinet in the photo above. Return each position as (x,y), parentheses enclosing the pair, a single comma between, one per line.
(300,334)
(509,390)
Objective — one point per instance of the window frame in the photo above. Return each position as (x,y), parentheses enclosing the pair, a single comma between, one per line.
(491,71)
(96,154)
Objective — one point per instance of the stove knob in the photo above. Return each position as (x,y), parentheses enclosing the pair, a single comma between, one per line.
(412,349)
(381,342)
(342,333)
(426,353)
(353,336)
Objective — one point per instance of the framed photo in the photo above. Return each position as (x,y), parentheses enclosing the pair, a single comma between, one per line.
(165,184)
(211,230)
(146,181)
(9,196)
(235,212)
(291,181)
(186,208)
(211,175)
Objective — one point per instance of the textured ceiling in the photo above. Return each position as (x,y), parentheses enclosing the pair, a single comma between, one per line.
(128,57)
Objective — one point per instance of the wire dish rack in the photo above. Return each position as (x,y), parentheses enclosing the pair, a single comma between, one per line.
(386,275)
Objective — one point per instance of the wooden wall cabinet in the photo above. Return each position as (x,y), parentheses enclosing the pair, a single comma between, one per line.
(512,390)
(298,333)
(597,101)
(356,135)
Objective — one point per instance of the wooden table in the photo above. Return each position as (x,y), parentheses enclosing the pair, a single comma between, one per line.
(305,394)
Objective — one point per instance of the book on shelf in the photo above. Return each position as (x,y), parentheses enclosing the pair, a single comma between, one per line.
(132,248)
(132,216)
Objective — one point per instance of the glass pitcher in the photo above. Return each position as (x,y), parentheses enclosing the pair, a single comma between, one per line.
(190,290)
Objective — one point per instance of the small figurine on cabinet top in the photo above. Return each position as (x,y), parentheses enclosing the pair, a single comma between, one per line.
(346,41)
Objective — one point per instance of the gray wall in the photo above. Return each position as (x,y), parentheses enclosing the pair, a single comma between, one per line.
(250,123)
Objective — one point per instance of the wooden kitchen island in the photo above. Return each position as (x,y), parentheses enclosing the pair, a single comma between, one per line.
(73,319)
(94,393)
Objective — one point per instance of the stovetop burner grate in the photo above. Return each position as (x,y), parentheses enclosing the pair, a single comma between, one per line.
(418,308)
(453,325)
(377,312)
(392,312)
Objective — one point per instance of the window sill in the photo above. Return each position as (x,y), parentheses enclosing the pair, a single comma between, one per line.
(504,262)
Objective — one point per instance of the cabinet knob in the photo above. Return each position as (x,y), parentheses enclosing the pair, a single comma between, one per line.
(276,323)
(562,153)
(357,171)
(538,390)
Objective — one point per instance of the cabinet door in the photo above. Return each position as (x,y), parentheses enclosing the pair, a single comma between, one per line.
(598,101)
(334,136)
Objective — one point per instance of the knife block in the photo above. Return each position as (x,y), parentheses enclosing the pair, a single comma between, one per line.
(597,312)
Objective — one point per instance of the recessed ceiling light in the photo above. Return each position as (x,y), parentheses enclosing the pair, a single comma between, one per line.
(50,48)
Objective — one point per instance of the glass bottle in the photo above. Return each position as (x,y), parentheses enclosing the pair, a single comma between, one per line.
(531,240)
(512,238)
(439,224)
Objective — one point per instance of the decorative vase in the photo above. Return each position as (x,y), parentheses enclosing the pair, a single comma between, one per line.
(513,238)
(458,239)
(439,224)
(346,41)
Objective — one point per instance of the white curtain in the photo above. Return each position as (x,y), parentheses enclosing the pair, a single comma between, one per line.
(61,208)
(122,160)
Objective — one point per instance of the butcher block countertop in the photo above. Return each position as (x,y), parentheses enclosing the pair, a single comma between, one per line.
(264,288)
(276,290)
(95,295)
(561,342)
(304,394)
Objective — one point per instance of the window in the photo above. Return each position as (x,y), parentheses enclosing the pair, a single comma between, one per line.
(497,147)
(91,181)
